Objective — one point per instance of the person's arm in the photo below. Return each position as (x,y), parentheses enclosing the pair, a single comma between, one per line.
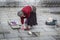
(22,20)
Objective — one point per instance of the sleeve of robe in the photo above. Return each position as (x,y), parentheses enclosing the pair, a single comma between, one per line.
(26,10)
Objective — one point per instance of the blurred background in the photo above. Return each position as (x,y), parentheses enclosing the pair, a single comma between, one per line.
(45,9)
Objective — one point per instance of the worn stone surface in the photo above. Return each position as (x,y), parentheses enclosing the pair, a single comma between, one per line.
(46,32)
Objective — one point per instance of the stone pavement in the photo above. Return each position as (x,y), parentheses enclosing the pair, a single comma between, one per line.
(46,32)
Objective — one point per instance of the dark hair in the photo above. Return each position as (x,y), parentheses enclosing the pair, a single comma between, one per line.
(19,13)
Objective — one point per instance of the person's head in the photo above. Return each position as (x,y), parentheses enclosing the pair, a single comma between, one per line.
(20,13)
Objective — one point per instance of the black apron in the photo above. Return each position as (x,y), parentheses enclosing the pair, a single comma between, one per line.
(32,20)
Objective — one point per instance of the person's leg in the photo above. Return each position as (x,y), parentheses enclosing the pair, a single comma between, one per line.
(26,25)
(27,28)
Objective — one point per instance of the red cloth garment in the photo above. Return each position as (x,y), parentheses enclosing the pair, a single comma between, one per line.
(26,10)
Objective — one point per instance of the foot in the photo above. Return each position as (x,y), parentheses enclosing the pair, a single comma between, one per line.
(27,28)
